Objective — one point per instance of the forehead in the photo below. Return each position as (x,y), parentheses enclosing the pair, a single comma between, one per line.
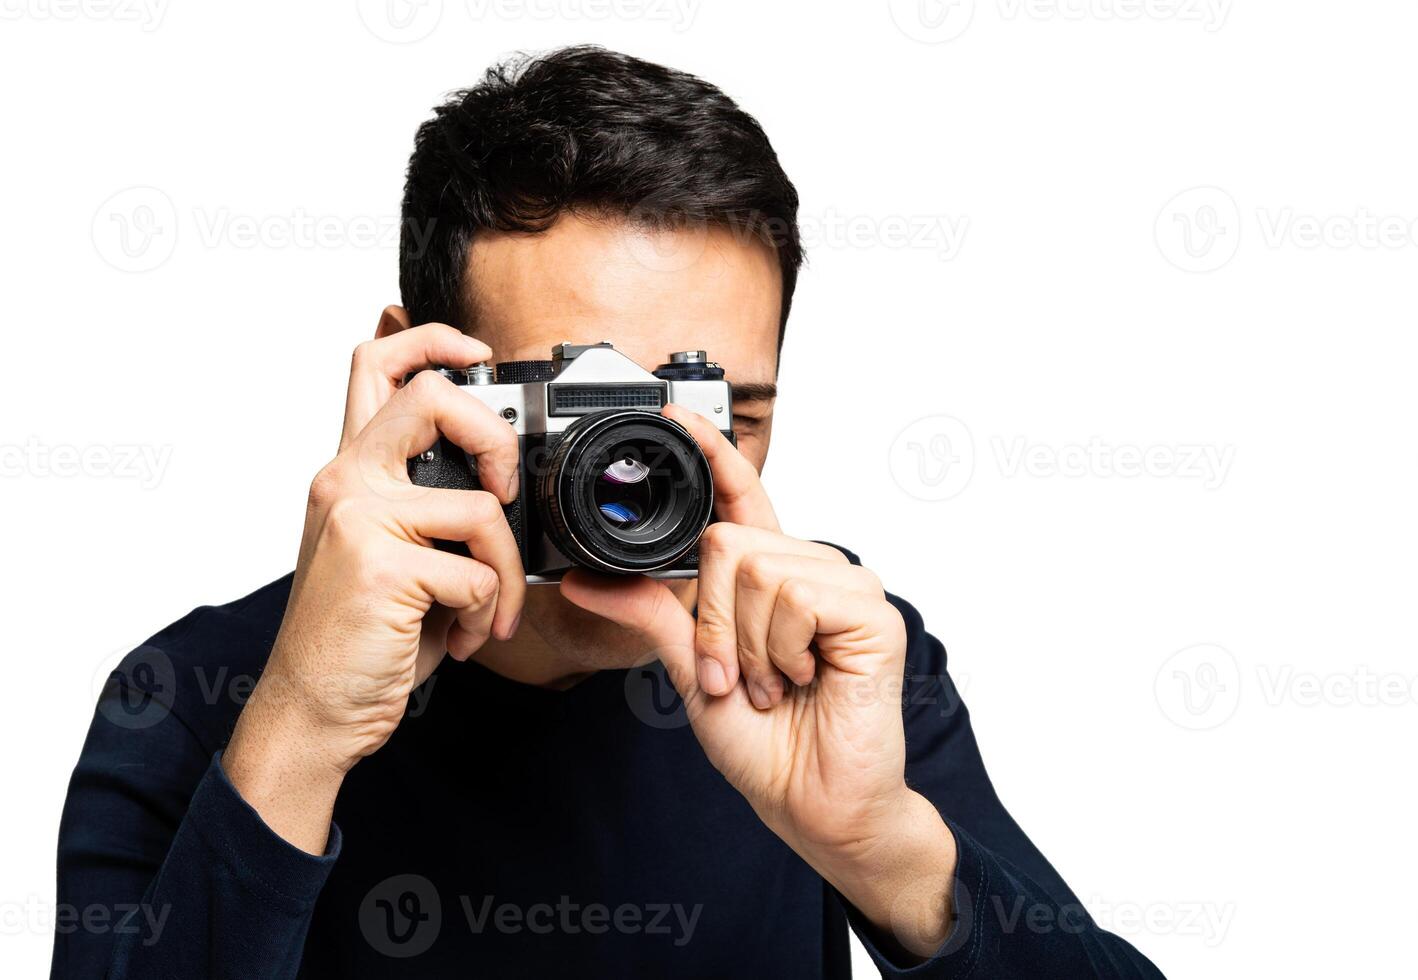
(647,291)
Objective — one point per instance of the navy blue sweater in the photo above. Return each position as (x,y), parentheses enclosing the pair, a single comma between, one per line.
(505,831)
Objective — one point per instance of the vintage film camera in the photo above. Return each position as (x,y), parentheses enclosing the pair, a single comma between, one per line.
(607,483)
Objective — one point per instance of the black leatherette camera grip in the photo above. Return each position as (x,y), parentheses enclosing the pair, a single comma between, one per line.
(447,467)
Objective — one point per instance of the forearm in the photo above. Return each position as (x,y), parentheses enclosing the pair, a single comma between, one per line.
(155,834)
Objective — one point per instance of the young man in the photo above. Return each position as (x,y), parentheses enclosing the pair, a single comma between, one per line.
(443,771)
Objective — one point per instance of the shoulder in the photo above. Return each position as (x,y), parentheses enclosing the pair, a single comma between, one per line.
(244,628)
(198,671)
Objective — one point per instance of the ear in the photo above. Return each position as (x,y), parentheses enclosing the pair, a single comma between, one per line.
(391,321)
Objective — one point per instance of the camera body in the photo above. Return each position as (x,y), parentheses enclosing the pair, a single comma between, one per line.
(606,482)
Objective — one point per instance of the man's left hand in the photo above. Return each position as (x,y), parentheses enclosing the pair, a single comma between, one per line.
(792,680)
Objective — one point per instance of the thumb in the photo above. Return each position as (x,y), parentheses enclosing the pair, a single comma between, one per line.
(660,627)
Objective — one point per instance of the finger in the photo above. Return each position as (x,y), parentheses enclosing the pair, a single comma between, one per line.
(470,630)
(842,623)
(760,578)
(464,585)
(475,518)
(721,547)
(380,366)
(412,419)
(433,641)
(658,624)
(739,496)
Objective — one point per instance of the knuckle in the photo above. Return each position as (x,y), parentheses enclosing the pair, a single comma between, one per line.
(324,488)
(426,384)
(756,571)
(364,353)
(482,584)
(754,664)
(343,514)
(717,539)
(797,594)
(753,651)
(870,580)
(712,640)
(506,437)
(713,622)
(499,439)
(483,508)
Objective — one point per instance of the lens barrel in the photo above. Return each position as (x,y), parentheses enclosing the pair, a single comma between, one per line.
(626,492)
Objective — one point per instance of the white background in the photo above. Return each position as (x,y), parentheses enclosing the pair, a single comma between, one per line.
(1193,684)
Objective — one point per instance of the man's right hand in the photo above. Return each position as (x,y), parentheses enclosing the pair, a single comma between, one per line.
(363,626)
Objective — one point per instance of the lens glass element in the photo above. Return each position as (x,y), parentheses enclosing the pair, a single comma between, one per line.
(625,493)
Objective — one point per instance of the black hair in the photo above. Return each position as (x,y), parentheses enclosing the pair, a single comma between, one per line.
(587,129)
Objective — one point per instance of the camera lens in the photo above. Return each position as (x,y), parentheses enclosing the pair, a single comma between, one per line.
(626,492)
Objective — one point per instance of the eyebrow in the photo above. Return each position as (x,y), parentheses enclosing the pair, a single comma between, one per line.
(755,391)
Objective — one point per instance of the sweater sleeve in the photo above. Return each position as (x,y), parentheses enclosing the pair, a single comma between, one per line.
(164,870)
(1014,916)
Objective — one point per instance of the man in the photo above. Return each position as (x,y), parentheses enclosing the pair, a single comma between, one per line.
(443,771)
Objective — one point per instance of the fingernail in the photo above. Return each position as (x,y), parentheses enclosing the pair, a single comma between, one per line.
(512,487)
(759,695)
(774,687)
(711,676)
(512,630)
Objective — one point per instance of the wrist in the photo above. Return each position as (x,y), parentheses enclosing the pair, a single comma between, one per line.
(899,875)
(293,730)
(287,767)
